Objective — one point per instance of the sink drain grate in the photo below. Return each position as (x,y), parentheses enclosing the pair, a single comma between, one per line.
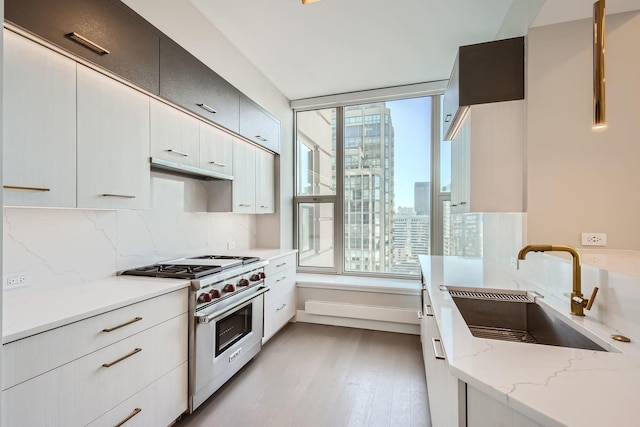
(491,295)
(502,334)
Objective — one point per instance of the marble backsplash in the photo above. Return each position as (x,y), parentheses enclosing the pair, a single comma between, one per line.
(68,246)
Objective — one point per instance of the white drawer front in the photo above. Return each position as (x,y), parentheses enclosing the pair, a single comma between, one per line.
(156,405)
(79,392)
(278,314)
(278,264)
(283,282)
(26,358)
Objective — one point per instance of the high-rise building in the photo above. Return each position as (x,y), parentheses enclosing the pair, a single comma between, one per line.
(412,237)
(422,198)
(368,188)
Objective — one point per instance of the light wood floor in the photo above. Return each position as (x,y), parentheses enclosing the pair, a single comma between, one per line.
(315,375)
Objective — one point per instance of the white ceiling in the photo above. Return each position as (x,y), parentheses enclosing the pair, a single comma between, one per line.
(337,46)
(556,11)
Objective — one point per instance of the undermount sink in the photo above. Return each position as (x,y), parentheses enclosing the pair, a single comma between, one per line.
(515,316)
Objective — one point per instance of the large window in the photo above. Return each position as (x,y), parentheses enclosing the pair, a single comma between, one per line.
(366,184)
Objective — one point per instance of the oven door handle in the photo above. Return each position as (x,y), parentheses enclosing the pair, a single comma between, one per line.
(209,317)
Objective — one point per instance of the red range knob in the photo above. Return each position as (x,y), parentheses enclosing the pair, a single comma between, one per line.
(254,277)
(229,288)
(243,282)
(204,298)
(214,293)
(262,275)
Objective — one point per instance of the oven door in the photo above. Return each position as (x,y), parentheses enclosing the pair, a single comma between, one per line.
(224,342)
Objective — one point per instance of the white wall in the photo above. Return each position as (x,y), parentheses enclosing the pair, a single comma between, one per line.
(581,180)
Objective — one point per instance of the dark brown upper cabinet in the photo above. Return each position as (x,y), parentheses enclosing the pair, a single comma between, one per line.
(483,73)
(189,83)
(106,33)
(258,125)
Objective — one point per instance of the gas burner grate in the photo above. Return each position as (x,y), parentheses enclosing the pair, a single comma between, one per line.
(174,271)
(243,259)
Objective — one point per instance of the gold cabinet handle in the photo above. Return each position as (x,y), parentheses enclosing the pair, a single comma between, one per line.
(218,164)
(126,356)
(133,414)
(180,153)
(261,138)
(283,306)
(17,187)
(206,107)
(122,196)
(137,319)
(88,43)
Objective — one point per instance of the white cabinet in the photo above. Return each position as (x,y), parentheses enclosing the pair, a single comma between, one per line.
(280,301)
(265,182)
(244,180)
(253,187)
(39,125)
(446,392)
(76,380)
(485,411)
(184,144)
(113,143)
(175,136)
(487,159)
(155,405)
(216,149)
(73,137)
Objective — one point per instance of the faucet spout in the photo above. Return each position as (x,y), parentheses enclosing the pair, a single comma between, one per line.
(578,302)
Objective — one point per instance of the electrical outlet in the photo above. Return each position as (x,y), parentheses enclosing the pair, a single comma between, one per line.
(231,246)
(594,239)
(16,280)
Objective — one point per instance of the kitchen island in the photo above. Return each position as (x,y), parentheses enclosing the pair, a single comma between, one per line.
(533,384)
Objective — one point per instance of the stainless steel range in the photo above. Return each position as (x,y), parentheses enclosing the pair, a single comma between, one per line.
(226,328)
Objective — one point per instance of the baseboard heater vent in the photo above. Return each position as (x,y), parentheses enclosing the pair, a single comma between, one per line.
(366,312)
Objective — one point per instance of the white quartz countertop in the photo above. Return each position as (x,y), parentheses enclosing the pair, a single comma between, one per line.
(31,310)
(552,385)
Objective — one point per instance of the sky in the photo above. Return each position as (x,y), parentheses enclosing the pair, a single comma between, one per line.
(411,120)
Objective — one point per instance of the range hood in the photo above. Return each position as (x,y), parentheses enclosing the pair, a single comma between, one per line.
(167,166)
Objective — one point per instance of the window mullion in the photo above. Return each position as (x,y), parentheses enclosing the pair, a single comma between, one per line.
(338,217)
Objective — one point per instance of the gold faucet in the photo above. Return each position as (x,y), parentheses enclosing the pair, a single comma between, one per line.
(578,302)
